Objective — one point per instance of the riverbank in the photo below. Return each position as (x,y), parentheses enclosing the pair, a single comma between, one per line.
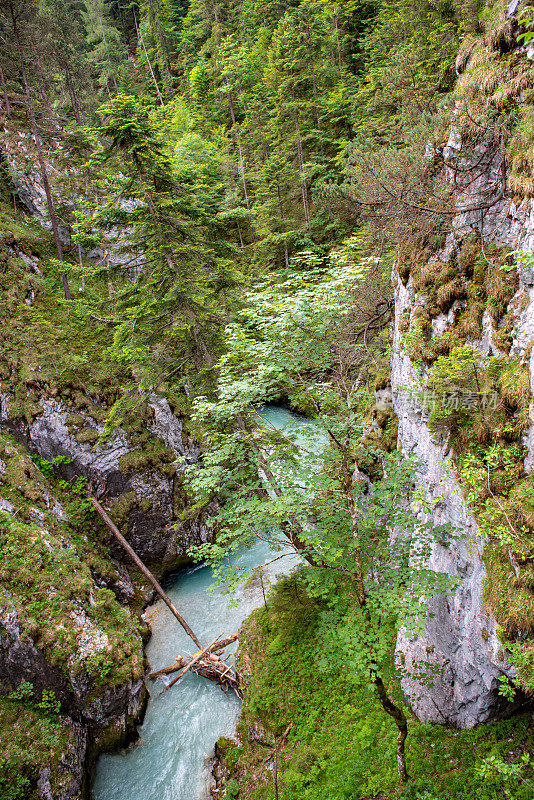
(341,744)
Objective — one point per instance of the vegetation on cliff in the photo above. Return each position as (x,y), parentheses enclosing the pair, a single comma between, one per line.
(341,745)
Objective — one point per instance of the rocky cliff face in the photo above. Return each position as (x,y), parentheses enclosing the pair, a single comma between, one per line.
(462,635)
(140,481)
(76,656)
(65,623)
(461,638)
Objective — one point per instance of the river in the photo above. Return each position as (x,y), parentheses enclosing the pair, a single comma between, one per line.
(181,726)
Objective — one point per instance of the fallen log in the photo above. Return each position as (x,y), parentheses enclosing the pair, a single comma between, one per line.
(219,672)
(146,572)
(200,662)
(197,657)
(179,663)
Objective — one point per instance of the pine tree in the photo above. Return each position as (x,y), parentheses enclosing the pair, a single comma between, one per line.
(164,299)
(108,54)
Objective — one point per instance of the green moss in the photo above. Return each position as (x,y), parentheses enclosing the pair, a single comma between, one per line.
(120,507)
(87,436)
(46,574)
(74,420)
(439,346)
(404,321)
(485,439)
(51,348)
(154,455)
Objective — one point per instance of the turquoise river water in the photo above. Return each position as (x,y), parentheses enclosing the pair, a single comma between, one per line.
(181,726)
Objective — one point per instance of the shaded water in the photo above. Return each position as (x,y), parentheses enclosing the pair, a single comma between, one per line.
(182,726)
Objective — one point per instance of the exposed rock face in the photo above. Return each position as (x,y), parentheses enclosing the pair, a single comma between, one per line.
(461,638)
(150,493)
(21,659)
(84,712)
(20,156)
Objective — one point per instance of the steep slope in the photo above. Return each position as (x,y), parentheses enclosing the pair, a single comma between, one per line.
(71,649)
(66,629)
(462,378)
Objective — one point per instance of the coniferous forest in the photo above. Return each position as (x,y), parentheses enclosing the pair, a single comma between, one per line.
(267,316)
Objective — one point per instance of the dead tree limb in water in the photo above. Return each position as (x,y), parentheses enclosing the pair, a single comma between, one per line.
(217,671)
(206,664)
(179,663)
(197,657)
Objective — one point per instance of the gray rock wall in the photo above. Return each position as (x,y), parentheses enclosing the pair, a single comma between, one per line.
(151,528)
(151,525)
(461,640)
(461,637)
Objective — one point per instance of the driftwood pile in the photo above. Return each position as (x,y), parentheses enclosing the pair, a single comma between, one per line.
(207,661)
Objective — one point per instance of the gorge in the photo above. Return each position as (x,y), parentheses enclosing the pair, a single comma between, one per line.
(210,206)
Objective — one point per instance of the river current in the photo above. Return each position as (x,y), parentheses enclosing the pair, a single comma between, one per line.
(181,726)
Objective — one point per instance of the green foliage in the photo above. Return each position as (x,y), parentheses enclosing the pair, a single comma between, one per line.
(49,705)
(108,54)
(31,738)
(48,468)
(341,744)
(22,693)
(313,499)
(506,689)
(527,20)
(166,314)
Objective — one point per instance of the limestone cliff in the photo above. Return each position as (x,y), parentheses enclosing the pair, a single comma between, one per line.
(467,294)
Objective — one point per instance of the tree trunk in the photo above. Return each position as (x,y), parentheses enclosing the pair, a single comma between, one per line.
(72,94)
(237,139)
(146,572)
(240,235)
(303,187)
(161,42)
(339,62)
(6,98)
(314,82)
(213,648)
(235,127)
(141,39)
(42,165)
(315,100)
(400,720)
(275,773)
(214,9)
(282,223)
(80,262)
(44,86)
